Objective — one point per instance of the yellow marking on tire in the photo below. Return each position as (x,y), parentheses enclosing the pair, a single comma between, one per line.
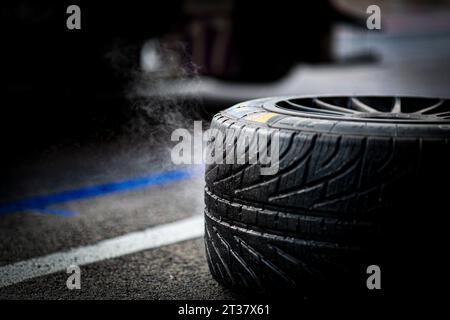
(261,117)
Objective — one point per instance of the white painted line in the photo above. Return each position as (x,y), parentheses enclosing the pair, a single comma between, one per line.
(158,236)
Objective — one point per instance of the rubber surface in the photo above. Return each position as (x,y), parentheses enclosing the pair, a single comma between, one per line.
(347,195)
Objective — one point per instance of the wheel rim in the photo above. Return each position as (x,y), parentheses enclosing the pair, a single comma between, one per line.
(375,109)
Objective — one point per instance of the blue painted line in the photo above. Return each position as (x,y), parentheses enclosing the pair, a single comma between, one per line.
(41,203)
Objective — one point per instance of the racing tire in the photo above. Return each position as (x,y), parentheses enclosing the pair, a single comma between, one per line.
(358,184)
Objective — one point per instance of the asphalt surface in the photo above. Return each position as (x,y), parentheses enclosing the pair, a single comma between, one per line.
(177,271)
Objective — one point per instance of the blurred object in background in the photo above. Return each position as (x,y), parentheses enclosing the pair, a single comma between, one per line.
(247,41)
(412,32)
(407,57)
(76,84)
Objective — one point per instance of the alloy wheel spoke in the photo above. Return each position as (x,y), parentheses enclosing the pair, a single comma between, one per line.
(361,106)
(434,106)
(328,106)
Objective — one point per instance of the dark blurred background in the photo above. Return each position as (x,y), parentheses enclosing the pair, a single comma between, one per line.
(138,69)
(62,82)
